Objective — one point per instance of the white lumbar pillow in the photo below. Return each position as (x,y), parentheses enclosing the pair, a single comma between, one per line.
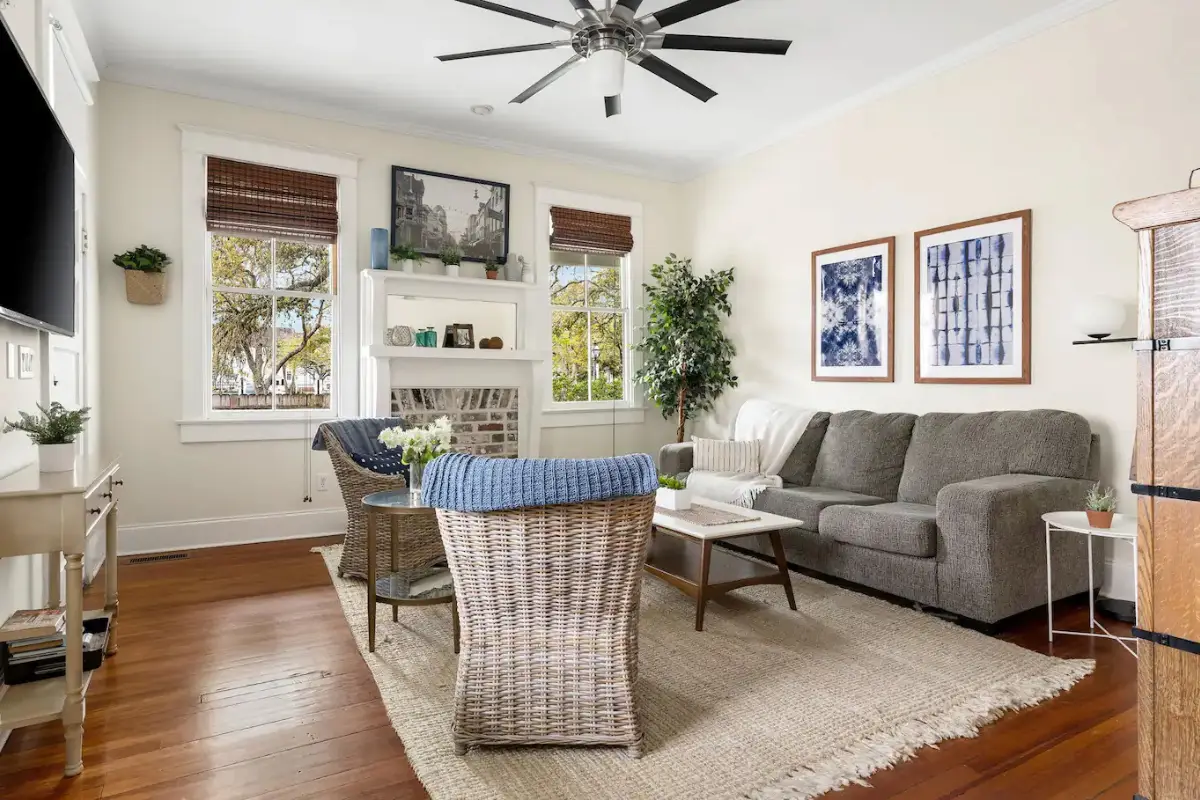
(720,455)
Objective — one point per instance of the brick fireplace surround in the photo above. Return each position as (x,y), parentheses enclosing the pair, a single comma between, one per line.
(485,421)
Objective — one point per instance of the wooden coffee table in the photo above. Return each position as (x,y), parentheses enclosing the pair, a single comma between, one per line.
(681,553)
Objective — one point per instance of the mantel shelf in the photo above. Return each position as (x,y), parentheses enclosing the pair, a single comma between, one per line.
(454,354)
(419,278)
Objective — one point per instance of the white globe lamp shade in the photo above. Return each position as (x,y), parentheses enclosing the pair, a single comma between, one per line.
(1099,317)
(608,71)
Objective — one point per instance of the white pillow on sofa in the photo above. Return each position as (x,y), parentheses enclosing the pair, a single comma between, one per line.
(720,455)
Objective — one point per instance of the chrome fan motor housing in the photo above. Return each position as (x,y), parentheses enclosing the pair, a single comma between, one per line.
(608,36)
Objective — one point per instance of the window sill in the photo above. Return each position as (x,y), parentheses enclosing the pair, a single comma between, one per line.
(201,431)
(578,418)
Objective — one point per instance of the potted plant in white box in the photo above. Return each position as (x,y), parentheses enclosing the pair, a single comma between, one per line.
(451,256)
(408,256)
(53,431)
(672,494)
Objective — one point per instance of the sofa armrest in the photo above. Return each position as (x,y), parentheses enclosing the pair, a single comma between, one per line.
(675,459)
(991,544)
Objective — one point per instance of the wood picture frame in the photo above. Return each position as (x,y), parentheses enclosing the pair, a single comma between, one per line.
(432,209)
(946,348)
(855,259)
(463,336)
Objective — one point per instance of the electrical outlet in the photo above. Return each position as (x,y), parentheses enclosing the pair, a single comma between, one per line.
(322,483)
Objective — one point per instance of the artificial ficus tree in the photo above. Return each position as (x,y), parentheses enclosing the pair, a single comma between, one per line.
(687,359)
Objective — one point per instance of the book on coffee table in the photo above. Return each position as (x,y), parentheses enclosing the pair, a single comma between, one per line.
(32,624)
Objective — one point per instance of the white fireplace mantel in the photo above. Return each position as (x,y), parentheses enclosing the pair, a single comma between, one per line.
(384,367)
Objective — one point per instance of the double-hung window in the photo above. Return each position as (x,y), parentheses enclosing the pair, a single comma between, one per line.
(589,307)
(270,287)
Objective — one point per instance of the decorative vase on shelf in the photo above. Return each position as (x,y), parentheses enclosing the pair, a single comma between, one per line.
(452,270)
(56,457)
(408,265)
(526,270)
(399,336)
(379,248)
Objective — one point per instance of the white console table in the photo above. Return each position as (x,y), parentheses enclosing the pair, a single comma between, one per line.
(53,513)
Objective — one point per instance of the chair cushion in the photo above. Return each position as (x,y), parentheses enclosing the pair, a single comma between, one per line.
(805,503)
(798,468)
(385,463)
(952,448)
(906,529)
(863,452)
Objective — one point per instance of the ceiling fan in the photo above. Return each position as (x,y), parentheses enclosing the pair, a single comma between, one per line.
(611,36)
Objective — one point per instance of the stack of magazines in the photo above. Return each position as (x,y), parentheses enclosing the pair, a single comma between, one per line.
(32,635)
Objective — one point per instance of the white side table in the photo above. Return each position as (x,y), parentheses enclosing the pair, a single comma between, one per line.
(1124,528)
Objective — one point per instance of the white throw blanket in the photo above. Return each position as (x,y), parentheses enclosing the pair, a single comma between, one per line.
(779,427)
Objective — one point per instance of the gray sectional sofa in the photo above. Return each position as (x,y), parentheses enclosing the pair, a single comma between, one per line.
(942,509)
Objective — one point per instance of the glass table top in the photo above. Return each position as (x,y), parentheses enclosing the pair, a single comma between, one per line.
(430,583)
(400,498)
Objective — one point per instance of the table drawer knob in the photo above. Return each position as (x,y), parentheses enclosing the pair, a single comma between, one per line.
(107,495)
(118,483)
(95,510)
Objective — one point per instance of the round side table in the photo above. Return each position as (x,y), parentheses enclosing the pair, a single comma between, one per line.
(414,585)
(1124,528)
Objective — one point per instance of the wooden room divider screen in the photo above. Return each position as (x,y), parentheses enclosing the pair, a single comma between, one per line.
(1167,480)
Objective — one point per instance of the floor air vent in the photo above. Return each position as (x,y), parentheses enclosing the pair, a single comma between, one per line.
(152,559)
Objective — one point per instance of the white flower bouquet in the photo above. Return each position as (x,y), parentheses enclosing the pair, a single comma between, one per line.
(420,445)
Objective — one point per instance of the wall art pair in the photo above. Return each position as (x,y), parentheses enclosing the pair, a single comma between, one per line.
(971,316)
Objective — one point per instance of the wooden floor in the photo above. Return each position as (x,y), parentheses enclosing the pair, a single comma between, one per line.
(237,677)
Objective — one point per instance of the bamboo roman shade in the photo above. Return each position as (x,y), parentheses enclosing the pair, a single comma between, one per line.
(589,232)
(269,200)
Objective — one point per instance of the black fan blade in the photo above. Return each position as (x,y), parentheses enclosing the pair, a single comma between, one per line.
(725,44)
(567,66)
(586,10)
(515,12)
(670,74)
(612,105)
(503,51)
(625,9)
(685,10)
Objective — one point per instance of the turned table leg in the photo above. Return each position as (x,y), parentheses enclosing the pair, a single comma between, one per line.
(72,714)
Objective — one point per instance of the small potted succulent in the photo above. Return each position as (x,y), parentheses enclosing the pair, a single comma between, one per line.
(54,431)
(145,279)
(1101,506)
(672,494)
(491,269)
(408,256)
(451,256)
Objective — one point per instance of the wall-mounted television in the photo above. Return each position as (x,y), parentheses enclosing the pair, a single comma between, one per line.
(37,222)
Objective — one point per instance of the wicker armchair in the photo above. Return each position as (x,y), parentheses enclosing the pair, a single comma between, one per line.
(355,483)
(548,607)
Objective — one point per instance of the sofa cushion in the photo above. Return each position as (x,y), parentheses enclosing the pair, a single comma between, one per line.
(801,462)
(952,448)
(864,453)
(907,529)
(805,503)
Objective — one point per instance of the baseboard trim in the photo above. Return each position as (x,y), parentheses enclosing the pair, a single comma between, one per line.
(198,534)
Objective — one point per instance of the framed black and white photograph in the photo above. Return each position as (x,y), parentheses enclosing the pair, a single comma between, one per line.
(431,210)
(464,336)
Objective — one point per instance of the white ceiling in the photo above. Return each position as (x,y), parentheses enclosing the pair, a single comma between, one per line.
(372,62)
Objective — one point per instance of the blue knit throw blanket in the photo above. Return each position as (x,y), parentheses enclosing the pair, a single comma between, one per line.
(460,482)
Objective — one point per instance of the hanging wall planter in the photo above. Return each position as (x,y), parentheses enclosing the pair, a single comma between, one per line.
(145,274)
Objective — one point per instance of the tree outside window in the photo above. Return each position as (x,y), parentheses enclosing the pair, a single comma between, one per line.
(272,323)
(588,312)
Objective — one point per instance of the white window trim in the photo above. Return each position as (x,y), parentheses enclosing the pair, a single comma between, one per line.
(601,412)
(198,423)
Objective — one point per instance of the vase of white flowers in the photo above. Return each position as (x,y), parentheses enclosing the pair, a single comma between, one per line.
(419,446)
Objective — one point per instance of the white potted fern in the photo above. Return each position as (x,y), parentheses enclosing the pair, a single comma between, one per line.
(54,431)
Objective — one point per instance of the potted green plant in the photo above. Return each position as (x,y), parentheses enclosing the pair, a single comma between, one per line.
(408,256)
(688,359)
(145,279)
(54,431)
(672,494)
(1101,506)
(491,269)
(451,256)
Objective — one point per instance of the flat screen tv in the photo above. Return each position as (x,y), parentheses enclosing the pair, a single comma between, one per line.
(37,225)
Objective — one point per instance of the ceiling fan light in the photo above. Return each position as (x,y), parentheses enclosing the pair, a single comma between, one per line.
(608,71)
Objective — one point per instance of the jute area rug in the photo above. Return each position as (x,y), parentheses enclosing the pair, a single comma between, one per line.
(765,703)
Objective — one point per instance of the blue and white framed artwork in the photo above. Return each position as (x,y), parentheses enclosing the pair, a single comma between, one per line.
(973,300)
(854,302)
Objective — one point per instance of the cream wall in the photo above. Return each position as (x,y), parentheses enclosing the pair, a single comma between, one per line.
(1102,109)
(168,482)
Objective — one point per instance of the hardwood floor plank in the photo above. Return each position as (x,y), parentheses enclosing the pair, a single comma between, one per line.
(238,677)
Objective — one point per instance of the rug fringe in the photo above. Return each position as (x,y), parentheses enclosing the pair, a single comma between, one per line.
(887,749)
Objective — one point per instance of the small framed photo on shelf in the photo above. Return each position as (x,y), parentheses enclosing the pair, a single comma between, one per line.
(464,336)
